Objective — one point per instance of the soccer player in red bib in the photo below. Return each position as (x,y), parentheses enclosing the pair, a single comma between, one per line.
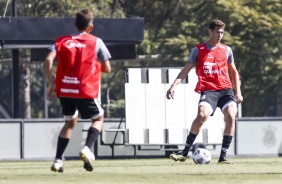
(81,59)
(213,61)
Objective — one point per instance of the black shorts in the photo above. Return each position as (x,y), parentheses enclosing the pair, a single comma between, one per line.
(87,108)
(217,98)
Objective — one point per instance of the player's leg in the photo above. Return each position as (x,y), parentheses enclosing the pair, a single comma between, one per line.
(95,112)
(62,143)
(206,107)
(93,133)
(229,110)
(71,116)
(204,112)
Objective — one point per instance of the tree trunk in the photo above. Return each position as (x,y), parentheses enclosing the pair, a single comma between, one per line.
(25,109)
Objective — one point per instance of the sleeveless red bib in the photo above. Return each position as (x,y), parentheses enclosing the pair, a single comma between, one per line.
(212,68)
(78,71)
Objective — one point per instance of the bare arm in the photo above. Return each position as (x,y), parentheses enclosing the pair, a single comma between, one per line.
(236,82)
(106,66)
(184,72)
(48,70)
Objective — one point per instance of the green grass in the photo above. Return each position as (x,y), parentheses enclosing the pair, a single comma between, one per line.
(245,171)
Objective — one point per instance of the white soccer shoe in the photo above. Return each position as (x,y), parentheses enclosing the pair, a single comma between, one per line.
(87,157)
(57,166)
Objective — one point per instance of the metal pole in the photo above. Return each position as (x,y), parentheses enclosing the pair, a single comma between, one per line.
(14,8)
(16,83)
(16,72)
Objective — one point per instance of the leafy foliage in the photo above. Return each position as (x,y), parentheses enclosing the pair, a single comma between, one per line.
(173,28)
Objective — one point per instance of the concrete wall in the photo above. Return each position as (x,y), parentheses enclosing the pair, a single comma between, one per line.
(37,139)
(259,136)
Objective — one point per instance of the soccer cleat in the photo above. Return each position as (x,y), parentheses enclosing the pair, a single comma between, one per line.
(178,157)
(57,166)
(87,157)
(224,161)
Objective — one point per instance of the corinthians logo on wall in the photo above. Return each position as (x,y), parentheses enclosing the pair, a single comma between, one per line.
(269,138)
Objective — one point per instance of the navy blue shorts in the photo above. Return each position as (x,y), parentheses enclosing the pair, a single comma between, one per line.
(87,108)
(217,98)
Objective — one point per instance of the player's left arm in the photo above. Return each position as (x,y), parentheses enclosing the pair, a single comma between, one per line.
(236,81)
(103,55)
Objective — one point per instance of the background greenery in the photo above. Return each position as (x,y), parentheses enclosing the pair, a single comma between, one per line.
(172,29)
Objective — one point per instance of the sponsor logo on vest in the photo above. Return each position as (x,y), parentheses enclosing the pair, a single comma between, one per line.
(209,64)
(208,68)
(74,91)
(210,55)
(70,80)
(74,43)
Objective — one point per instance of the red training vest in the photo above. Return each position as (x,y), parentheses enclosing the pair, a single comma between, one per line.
(79,71)
(212,68)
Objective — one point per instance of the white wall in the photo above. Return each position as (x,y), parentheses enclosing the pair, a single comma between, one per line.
(40,140)
(259,136)
(10,140)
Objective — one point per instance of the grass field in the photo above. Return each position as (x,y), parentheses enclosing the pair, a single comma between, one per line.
(246,170)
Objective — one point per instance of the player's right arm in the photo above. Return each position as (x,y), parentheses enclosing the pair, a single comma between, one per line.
(184,72)
(48,70)
(193,58)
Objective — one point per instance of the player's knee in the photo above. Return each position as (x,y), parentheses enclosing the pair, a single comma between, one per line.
(202,116)
(230,118)
(71,125)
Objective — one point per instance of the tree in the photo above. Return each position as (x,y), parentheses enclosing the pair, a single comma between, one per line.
(173,28)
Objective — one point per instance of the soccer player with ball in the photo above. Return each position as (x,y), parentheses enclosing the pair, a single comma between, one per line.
(213,62)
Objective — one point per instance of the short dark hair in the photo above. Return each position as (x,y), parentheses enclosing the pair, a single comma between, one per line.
(83,19)
(216,23)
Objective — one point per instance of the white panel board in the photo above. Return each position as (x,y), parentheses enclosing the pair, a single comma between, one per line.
(136,136)
(259,137)
(199,138)
(10,141)
(148,108)
(191,99)
(156,136)
(215,125)
(175,109)
(135,106)
(134,75)
(176,136)
(191,103)
(155,107)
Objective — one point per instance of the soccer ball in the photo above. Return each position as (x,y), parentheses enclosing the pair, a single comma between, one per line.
(201,156)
